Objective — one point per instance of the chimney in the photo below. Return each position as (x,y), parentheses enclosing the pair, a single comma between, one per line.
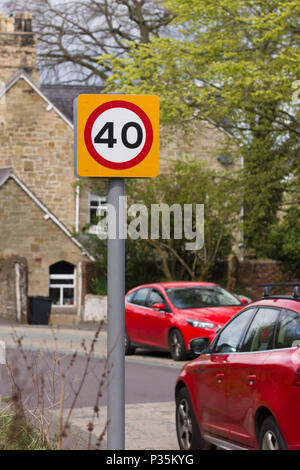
(17,46)
(10,24)
(2,22)
(27,22)
(18,22)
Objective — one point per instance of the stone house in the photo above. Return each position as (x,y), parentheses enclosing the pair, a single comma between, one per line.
(53,256)
(41,207)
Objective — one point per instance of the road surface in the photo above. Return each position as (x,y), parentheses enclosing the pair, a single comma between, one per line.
(40,356)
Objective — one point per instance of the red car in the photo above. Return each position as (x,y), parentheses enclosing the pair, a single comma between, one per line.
(243,391)
(168,315)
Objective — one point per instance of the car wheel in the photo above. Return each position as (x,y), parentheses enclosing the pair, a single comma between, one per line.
(177,346)
(270,437)
(129,349)
(188,434)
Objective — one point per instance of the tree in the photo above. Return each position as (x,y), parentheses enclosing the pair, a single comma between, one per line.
(284,241)
(233,62)
(73,34)
(166,258)
(188,182)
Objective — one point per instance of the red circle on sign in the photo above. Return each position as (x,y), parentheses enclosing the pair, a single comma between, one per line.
(148,138)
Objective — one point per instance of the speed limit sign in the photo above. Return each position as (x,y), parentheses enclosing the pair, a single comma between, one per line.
(116,136)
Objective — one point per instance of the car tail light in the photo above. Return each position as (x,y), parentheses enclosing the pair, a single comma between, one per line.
(297,377)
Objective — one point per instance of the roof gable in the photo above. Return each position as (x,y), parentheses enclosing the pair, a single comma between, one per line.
(22,75)
(7,173)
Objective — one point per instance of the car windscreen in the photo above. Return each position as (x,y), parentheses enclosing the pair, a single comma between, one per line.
(198,297)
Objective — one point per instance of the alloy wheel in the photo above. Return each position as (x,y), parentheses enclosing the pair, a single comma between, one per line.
(184,424)
(176,346)
(269,441)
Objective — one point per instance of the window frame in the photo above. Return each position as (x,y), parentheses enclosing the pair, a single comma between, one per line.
(99,207)
(154,289)
(146,299)
(215,340)
(130,294)
(282,309)
(272,342)
(62,286)
(272,339)
(131,301)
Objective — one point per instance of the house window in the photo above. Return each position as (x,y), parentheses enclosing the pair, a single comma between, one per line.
(62,284)
(225,159)
(97,208)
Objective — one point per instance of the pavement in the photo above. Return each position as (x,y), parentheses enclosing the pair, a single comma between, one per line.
(148,425)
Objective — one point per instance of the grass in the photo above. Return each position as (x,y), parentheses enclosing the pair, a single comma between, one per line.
(17,434)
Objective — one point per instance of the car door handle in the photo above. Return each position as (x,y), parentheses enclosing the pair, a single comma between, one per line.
(251,379)
(220,377)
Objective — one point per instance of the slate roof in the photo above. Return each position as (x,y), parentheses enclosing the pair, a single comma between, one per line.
(62,96)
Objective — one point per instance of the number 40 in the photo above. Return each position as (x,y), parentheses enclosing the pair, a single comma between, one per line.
(111,141)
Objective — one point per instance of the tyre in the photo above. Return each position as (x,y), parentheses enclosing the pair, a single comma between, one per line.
(270,437)
(129,349)
(187,429)
(177,346)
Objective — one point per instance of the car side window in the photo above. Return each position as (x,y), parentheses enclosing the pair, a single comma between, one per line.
(288,333)
(260,333)
(140,297)
(155,297)
(130,296)
(230,337)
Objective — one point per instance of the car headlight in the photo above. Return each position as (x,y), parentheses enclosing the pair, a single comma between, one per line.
(200,324)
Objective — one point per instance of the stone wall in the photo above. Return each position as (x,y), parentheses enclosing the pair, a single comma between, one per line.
(205,143)
(17,46)
(27,233)
(254,272)
(38,145)
(13,288)
(95,308)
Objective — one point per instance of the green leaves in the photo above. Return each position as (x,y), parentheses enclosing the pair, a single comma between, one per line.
(189,182)
(233,62)
(235,56)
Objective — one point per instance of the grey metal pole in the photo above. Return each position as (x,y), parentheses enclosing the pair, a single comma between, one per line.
(116,315)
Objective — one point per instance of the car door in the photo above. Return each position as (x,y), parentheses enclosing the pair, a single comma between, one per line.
(247,374)
(158,323)
(213,373)
(136,315)
(282,370)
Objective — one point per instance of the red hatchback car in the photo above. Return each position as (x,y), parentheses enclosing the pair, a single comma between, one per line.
(168,315)
(243,391)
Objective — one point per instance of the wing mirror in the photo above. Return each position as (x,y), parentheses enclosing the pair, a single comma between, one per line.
(159,306)
(199,346)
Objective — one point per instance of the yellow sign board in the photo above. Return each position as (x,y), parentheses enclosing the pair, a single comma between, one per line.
(116,136)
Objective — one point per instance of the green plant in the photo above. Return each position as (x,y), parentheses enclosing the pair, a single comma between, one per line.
(20,434)
(283,241)
(98,286)
(45,423)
